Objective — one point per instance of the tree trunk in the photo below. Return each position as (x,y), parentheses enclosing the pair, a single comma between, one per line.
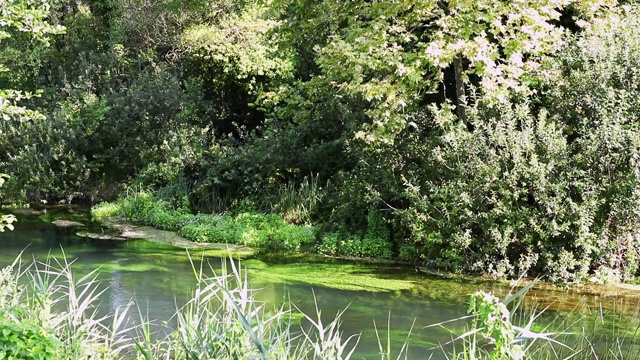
(461,97)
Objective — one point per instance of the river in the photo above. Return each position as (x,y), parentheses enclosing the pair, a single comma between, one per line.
(159,277)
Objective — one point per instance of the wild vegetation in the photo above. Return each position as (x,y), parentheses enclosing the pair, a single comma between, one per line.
(488,136)
(48,312)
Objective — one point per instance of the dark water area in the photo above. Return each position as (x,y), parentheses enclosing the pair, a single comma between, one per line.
(159,278)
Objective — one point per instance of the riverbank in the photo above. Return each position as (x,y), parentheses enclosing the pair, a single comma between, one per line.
(329,271)
(349,273)
(159,270)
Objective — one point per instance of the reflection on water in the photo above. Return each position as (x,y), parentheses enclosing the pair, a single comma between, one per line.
(160,278)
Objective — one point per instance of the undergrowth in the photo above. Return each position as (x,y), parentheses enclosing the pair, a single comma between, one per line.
(265,231)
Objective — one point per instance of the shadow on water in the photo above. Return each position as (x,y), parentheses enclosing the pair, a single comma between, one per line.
(160,277)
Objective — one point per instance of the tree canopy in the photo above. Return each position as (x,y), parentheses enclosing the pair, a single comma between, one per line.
(497,137)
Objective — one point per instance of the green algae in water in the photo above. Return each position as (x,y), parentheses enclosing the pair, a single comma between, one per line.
(338,276)
(123,266)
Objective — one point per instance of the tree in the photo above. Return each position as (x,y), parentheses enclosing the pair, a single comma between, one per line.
(392,53)
(24,16)
(499,40)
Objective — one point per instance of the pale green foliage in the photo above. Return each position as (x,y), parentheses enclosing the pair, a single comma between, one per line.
(493,320)
(7,220)
(23,16)
(243,44)
(387,54)
(296,204)
(104,211)
(502,41)
(26,16)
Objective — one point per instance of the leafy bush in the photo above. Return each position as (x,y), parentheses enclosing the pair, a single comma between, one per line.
(329,244)
(27,341)
(43,159)
(547,186)
(105,210)
(376,243)
(211,228)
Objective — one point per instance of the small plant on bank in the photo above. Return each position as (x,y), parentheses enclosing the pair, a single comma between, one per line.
(375,243)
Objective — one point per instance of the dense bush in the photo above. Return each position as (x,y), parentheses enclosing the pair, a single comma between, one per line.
(549,190)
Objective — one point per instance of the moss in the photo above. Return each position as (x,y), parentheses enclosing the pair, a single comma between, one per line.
(113,266)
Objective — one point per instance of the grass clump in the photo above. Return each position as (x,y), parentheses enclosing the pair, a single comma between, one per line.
(105,210)
(224,321)
(32,326)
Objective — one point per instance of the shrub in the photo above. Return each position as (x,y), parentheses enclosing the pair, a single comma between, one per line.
(329,244)
(105,210)
(377,241)
(211,228)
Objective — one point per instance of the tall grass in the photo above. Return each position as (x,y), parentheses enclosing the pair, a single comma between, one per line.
(47,312)
(223,320)
(52,315)
(297,203)
(507,330)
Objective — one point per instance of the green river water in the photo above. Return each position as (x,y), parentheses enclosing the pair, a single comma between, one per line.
(159,277)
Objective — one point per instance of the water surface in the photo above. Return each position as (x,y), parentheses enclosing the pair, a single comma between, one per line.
(159,278)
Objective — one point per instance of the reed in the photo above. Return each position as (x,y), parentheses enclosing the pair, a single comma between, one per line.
(53,315)
(504,330)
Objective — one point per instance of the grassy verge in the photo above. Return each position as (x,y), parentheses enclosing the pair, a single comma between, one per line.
(255,230)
